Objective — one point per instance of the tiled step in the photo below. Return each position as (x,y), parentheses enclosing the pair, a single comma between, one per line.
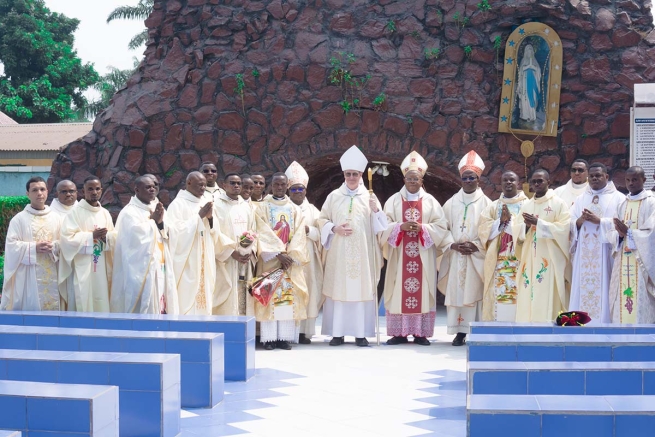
(561,378)
(552,347)
(10,433)
(148,384)
(59,410)
(201,354)
(551,328)
(239,331)
(560,415)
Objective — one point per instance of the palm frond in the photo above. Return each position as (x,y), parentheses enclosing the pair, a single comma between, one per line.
(139,12)
(138,40)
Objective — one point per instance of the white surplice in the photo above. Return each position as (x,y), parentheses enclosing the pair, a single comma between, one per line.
(351,264)
(143,280)
(461,277)
(30,282)
(591,253)
(87,261)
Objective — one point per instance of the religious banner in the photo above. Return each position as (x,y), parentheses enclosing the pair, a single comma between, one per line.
(531,81)
(413,267)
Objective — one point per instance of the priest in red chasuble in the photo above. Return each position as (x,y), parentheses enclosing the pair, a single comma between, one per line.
(416,235)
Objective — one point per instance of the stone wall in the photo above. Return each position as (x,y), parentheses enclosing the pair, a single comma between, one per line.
(183,106)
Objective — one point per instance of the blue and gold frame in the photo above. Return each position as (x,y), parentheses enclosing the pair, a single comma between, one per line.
(529,101)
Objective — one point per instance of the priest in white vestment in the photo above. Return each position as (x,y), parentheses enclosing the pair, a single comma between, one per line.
(543,228)
(61,205)
(280,319)
(417,233)
(350,221)
(592,217)
(501,262)
(237,221)
(578,183)
(247,185)
(259,187)
(213,189)
(632,287)
(31,254)
(191,244)
(87,242)
(143,281)
(461,272)
(298,180)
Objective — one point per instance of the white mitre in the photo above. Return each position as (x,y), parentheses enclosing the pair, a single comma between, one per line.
(296,174)
(471,161)
(353,159)
(414,162)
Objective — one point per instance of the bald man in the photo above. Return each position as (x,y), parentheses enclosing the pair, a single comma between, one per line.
(66,198)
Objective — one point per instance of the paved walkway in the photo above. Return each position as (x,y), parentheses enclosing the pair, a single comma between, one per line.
(318,390)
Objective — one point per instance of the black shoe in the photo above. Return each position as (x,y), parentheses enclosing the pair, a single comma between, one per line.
(336,341)
(361,342)
(269,345)
(304,340)
(422,341)
(397,340)
(460,339)
(284,345)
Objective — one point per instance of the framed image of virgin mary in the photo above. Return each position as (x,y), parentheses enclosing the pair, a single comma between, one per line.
(531,81)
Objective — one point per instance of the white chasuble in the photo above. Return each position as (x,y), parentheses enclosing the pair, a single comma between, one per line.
(285,219)
(591,253)
(30,282)
(352,263)
(191,244)
(461,276)
(68,291)
(570,191)
(143,280)
(501,263)
(88,261)
(313,270)
(543,259)
(632,287)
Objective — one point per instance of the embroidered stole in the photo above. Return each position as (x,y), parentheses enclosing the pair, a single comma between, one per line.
(412,264)
(629,268)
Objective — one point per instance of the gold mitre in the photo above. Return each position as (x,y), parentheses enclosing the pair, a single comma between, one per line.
(415,162)
(296,174)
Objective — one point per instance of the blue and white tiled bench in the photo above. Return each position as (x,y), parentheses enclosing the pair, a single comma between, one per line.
(561,378)
(239,331)
(553,347)
(201,354)
(557,415)
(148,384)
(59,410)
(551,328)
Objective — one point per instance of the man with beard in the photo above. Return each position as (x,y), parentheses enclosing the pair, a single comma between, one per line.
(501,262)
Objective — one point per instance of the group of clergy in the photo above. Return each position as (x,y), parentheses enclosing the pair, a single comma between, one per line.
(583,247)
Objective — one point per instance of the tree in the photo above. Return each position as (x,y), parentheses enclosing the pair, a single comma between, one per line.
(43,76)
(107,86)
(139,12)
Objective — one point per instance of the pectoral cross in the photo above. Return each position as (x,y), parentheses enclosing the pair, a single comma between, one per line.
(463,227)
(548,210)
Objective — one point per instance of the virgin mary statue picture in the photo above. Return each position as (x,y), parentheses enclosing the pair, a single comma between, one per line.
(529,86)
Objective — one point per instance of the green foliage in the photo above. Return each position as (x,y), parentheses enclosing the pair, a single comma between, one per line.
(255,73)
(409,119)
(416,35)
(9,207)
(497,42)
(432,53)
(107,86)
(43,76)
(341,76)
(139,13)
(379,101)
(346,106)
(467,51)
(460,20)
(484,6)
(241,85)
(390,26)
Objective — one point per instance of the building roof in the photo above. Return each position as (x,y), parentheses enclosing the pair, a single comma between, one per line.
(6,120)
(41,137)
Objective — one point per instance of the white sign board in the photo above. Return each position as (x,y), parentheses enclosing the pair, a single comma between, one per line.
(642,146)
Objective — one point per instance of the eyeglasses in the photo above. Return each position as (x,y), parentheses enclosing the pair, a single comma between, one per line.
(537,181)
(297,190)
(235,183)
(208,170)
(68,191)
(578,170)
(352,174)
(258,183)
(469,179)
(412,180)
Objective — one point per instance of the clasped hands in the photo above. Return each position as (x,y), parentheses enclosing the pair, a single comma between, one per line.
(206,210)
(240,258)
(100,234)
(158,214)
(466,248)
(530,220)
(410,227)
(44,246)
(621,228)
(587,216)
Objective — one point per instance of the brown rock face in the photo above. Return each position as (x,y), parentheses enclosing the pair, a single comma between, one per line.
(254,85)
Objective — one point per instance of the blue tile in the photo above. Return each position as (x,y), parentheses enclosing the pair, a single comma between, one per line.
(140,413)
(491,330)
(532,330)
(58,342)
(101,344)
(40,320)
(32,370)
(76,372)
(17,341)
(7,318)
(120,324)
(630,426)
(597,426)
(588,353)
(150,325)
(145,345)
(556,383)
(77,322)
(603,383)
(189,326)
(496,425)
(189,350)
(540,353)
(53,434)
(195,380)
(171,403)
(239,360)
(492,353)
(13,412)
(58,415)
(3,369)
(634,353)
(501,383)
(135,376)
(649,383)
(217,381)
(615,331)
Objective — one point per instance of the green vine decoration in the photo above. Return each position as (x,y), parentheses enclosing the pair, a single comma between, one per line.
(351,86)
(241,85)
(484,6)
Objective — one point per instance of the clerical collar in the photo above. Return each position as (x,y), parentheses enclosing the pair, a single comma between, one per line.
(352,192)
(279,198)
(513,197)
(635,196)
(578,186)
(413,196)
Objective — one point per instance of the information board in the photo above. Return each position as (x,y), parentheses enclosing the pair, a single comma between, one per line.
(642,146)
